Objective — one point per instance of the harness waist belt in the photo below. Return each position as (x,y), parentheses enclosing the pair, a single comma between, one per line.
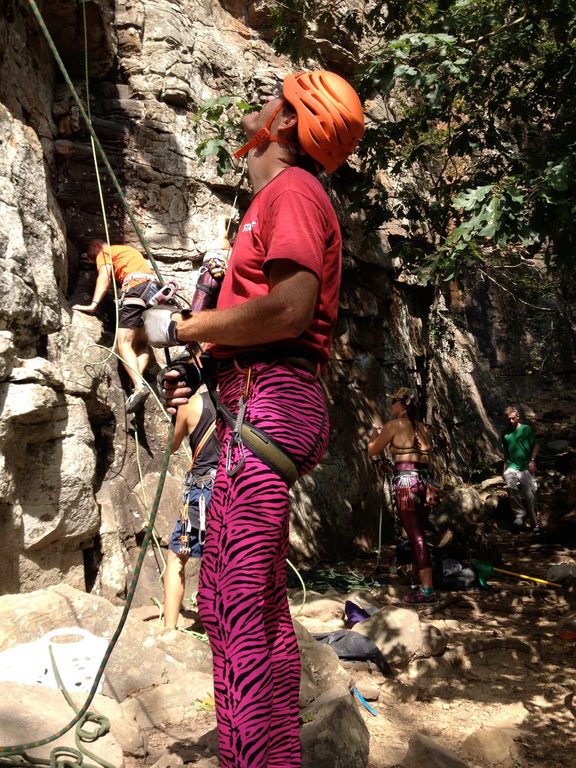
(297,358)
(411,466)
(135,278)
(266,448)
(191,479)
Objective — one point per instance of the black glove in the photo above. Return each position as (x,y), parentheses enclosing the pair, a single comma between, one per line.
(188,372)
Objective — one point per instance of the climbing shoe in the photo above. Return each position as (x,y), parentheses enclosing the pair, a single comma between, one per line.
(419,598)
(136,399)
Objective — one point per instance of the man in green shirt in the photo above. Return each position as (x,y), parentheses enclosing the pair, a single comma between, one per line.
(520,453)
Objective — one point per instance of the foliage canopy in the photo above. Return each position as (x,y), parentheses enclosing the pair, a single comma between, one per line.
(482,95)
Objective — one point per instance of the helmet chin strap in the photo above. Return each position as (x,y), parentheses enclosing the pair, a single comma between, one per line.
(263,136)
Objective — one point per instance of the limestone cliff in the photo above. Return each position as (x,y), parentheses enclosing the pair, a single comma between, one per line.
(75,473)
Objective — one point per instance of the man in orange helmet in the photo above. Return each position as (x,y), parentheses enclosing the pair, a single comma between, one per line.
(270,337)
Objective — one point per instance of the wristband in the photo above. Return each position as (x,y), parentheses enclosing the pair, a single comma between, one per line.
(172,333)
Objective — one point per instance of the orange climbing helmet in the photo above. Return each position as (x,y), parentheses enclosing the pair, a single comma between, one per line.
(330,116)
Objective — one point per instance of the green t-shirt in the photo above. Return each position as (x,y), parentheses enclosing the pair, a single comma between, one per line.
(519,444)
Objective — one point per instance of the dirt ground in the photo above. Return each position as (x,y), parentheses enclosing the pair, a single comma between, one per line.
(505,667)
(500,684)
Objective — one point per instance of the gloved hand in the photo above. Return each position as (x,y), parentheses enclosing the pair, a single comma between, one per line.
(179,381)
(160,325)
(189,377)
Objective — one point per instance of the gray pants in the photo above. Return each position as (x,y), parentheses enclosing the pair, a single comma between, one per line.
(522,486)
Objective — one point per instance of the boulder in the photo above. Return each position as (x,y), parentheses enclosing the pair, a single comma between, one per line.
(423,750)
(333,734)
(136,664)
(321,669)
(493,745)
(169,703)
(398,634)
(42,711)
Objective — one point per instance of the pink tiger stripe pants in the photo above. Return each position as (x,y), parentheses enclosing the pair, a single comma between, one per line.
(242,594)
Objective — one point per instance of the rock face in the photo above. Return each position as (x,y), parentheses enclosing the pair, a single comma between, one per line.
(71,467)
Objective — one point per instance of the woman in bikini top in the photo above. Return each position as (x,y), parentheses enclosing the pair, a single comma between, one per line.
(407,439)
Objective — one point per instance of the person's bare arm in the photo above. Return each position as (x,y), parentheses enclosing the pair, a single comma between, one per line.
(187,419)
(382,439)
(533,457)
(102,284)
(284,313)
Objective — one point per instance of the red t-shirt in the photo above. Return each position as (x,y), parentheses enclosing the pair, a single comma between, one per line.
(290,218)
(125,261)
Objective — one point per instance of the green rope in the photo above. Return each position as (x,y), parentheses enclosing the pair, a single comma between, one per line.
(82,714)
(146,507)
(323,580)
(19,748)
(81,733)
(304,592)
(97,173)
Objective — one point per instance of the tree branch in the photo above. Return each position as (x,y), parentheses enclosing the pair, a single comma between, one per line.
(517,298)
(495,32)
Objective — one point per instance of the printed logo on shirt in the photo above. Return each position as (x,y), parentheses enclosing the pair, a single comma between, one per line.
(249,226)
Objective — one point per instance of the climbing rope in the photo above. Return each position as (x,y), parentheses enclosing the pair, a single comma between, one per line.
(19,748)
(15,754)
(302,584)
(326,579)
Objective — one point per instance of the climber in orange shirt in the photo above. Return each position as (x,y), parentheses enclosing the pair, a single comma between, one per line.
(134,274)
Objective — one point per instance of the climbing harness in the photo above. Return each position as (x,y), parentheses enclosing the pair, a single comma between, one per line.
(192,480)
(135,278)
(406,483)
(245,434)
(262,445)
(203,483)
(154,293)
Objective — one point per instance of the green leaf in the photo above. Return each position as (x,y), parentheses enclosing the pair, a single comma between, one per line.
(471,197)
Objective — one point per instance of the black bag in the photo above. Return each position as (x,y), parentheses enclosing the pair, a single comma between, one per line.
(352,646)
(450,575)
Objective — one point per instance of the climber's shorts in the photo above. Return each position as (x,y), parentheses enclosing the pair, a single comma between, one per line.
(130,315)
